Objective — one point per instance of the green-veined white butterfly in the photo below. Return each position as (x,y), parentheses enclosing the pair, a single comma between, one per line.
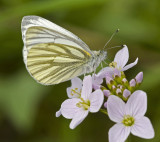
(53,55)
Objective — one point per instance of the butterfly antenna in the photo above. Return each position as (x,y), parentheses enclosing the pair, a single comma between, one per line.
(111,38)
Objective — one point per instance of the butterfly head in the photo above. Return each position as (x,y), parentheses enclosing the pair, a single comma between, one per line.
(101,55)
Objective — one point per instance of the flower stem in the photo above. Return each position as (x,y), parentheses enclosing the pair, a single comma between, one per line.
(104,111)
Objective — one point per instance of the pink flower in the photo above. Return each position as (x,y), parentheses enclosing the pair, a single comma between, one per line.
(120,61)
(77,109)
(96,81)
(76,87)
(129,117)
(74,91)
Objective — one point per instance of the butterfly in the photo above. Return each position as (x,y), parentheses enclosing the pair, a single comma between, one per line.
(53,55)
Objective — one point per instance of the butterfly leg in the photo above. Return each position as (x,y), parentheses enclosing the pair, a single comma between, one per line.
(101,65)
(105,63)
(94,74)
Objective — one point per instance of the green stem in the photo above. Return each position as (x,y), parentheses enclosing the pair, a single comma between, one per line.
(104,111)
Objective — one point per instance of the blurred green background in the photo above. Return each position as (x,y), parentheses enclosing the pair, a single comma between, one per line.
(27,109)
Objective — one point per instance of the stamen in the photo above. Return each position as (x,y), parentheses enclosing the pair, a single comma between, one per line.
(84,104)
(75,92)
(113,65)
(79,105)
(128,120)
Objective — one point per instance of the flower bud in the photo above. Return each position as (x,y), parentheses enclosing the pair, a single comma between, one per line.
(105,104)
(118,91)
(132,83)
(124,80)
(139,77)
(117,73)
(106,93)
(120,86)
(126,93)
(113,87)
(109,80)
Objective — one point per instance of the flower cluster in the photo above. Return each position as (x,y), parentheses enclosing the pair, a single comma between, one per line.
(123,102)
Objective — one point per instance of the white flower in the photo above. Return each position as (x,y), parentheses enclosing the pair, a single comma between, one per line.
(120,61)
(96,82)
(129,117)
(74,91)
(78,108)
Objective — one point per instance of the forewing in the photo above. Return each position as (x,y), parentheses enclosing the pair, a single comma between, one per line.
(52,63)
(37,30)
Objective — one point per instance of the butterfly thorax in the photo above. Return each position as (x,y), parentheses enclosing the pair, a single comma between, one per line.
(98,57)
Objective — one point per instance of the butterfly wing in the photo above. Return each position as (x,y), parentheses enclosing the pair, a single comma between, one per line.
(51,53)
(54,63)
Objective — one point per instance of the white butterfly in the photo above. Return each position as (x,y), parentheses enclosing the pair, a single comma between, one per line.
(53,55)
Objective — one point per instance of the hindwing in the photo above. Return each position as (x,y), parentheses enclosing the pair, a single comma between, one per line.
(51,63)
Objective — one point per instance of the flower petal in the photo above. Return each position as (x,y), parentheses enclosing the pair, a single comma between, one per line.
(130,65)
(143,128)
(78,118)
(58,113)
(69,108)
(76,83)
(96,86)
(87,87)
(96,100)
(69,92)
(118,133)
(116,108)
(96,81)
(122,57)
(107,71)
(136,105)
